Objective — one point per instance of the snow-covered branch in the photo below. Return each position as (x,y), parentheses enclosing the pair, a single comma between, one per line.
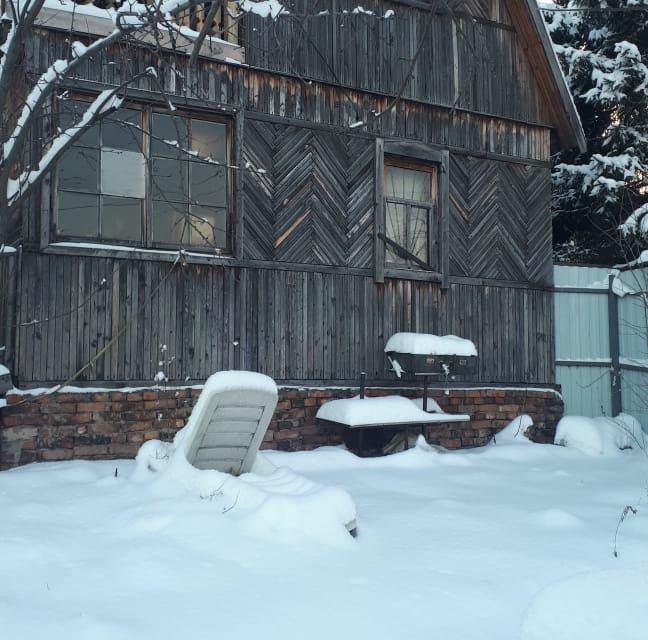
(130,20)
(264,8)
(104,103)
(604,190)
(637,222)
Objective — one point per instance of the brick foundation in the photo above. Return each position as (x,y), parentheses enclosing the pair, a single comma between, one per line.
(113,424)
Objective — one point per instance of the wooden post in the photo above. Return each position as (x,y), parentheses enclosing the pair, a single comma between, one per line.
(363,377)
(613,328)
(379,216)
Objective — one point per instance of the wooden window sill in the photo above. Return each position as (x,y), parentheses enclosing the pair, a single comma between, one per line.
(136,253)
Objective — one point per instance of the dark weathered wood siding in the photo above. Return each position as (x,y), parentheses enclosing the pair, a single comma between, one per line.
(297,300)
(300,303)
(315,205)
(8,273)
(293,325)
(465,63)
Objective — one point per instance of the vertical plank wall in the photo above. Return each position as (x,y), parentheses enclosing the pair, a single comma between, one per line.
(295,326)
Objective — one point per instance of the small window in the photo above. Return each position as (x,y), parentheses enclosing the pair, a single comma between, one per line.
(411,216)
(411,224)
(145,178)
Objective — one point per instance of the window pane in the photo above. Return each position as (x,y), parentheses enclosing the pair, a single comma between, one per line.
(172,129)
(395,229)
(121,218)
(209,226)
(417,233)
(123,130)
(78,214)
(79,170)
(407,227)
(170,224)
(209,139)
(170,180)
(408,184)
(123,173)
(70,112)
(208,184)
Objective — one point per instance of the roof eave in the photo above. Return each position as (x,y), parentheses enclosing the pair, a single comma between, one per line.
(568,124)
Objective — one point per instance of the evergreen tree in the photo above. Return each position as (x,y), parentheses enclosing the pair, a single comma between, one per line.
(601,196)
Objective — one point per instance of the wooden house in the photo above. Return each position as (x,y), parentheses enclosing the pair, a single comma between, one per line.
(387,169)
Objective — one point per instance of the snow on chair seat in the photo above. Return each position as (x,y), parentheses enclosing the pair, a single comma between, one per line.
(228,423)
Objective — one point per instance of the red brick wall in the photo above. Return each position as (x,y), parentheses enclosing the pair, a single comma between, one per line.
(113,424)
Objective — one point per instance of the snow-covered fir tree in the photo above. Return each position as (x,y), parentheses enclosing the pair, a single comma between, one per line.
(601,196)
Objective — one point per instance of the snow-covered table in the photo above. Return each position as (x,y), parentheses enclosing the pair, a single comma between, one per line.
(386,412)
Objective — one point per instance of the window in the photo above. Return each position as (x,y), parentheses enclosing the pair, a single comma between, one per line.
(411,226)
(145,178)
(411,213)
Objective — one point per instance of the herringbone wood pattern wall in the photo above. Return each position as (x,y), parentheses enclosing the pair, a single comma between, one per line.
(315,204)
(499,222)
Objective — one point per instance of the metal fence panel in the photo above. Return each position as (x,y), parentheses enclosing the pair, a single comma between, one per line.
(588,337)
(585,390)
(634,391)
(585,362)
(633,317)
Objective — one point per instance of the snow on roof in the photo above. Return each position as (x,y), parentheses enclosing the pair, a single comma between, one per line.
(264,8)
(79,9)
(384,410)
(427,344)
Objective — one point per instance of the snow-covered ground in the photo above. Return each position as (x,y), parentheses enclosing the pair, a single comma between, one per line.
(513,540)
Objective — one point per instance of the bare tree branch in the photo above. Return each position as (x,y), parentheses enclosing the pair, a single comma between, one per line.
(215,6)
(105,103)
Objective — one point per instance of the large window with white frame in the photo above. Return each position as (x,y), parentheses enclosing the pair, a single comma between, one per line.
(146,177)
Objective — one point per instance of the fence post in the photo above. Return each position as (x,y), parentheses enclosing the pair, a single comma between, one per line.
(613,328)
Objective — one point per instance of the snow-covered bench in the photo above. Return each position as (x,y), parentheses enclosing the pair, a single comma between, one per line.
(386,412)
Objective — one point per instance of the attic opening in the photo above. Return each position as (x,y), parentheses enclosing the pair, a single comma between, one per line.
(220,16)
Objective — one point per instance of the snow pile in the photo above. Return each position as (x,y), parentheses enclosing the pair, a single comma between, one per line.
(515,432)
(600,436)
(597,604)
(270,501)
(431,404)
(429,344)
(378,411)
